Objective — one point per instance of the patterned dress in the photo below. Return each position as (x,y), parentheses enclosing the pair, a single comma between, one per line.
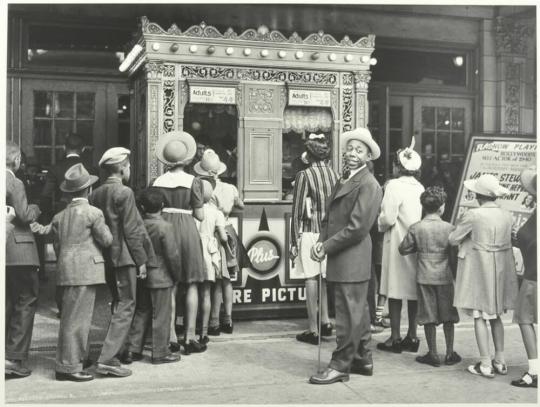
(183,193)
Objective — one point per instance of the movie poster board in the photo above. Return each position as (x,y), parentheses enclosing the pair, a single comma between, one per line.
(504,156)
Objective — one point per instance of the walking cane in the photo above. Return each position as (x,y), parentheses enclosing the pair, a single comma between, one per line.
(319,313)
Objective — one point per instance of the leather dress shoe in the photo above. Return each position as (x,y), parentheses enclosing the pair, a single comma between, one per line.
(326,329)
(110,370)
(394,346)
(362,367)
(128,357)
(329,376)
(174,347)
(226,328)
(308,337)
(166,359)
(74,377)
(193,347)
(214,330)
(15,368)
(410,345)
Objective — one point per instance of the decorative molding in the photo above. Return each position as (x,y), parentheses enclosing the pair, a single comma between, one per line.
(260,100)
(511,36)
(153,130)
(239,97)
(512,97)
(283,97)
(253,74)
(346,79)
(361,79)
(361,110)
(168,70)
(207,31)
(347,109)
(168,105)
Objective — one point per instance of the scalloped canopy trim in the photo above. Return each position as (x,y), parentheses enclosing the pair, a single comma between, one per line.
(207,31)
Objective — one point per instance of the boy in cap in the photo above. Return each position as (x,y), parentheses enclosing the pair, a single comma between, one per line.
(79,234)
(130,251)
(154,306)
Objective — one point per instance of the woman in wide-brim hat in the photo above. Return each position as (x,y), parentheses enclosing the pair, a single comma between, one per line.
(486,281)
(526,310)
(400,208)
(183,195)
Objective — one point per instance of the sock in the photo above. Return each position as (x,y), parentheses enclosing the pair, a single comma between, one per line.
(448,328)
(485,361)
(431,338)
(499,357)
(204,331)
(379,312)
(214,322)
(533,367)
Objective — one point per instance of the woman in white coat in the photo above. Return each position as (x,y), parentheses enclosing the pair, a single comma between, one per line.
(400,208)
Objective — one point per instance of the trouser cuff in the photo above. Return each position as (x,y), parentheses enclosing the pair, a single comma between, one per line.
(69,368)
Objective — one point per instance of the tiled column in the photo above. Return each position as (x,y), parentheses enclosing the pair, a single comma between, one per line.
(488,79)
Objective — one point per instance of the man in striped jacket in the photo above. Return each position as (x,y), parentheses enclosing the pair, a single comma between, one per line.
(312,187)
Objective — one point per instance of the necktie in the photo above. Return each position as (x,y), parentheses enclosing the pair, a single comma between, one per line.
(346,174)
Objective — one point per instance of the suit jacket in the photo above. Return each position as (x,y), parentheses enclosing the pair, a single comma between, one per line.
(79,234)
(53,200)
(486,275)
(165,268)
(351,212)
(131,245)
(429,239)
(21,249)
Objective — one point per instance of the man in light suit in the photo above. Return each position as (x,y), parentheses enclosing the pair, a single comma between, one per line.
(22,263)
(352,210)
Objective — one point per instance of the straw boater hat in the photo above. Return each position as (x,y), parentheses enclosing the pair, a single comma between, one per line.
(317,146)
(77,178)
(528,179)
(114,155)
(408,158)
(363,135)
(486,185)
(210,164)
(176,148)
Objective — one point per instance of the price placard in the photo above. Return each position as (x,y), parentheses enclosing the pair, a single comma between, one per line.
(212,95)
(303,97)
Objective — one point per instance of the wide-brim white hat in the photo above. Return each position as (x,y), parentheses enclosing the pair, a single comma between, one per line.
(486,185)
(176,148)
(528,179)
(210,164)
(363,135)
(408,158)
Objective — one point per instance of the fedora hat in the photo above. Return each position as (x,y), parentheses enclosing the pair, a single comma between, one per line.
(77,178)
(408,158)
(528,179)
(210,164)
(363,135)
(176,147)
(486,185)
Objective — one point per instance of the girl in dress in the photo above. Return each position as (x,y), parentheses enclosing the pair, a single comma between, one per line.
(183,202)
(212,225)
(486,281)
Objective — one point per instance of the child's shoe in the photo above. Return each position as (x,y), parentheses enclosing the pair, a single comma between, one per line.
(527,380)
(452,359)
(409,344)
(500,368)
(326,329)
(480,370)
(214,331)
(204,339)
(429,359)
(227,328)
(393,346)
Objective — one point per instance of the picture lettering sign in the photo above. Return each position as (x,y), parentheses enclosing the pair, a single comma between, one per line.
(212,95)
(302,97)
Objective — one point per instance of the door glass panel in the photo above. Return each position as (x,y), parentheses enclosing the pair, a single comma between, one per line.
(458,119)
(428,118)
(63,128)
(42,104)
(396,138)
(443,118)
(85,129)
(85,105)
(396,117)
(64,105)
(458,143)
(42,132)
(428,142)
(443,144)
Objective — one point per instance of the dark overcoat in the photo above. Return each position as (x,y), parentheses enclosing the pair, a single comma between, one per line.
(351,212)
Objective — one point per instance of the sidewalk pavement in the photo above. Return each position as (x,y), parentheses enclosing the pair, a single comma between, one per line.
(262,363)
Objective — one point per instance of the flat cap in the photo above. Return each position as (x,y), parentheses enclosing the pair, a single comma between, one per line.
(114,155)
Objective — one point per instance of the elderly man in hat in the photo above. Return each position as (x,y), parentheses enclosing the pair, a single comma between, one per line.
(79,235)
(345,240)
(131,249)
(312,187)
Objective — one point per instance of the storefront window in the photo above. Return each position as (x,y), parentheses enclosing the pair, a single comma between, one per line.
(56,114)
(298,124)
(215,126)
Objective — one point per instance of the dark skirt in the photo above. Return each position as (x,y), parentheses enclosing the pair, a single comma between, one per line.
(189,240)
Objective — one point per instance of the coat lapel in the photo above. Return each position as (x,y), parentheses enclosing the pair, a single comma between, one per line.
(350,185)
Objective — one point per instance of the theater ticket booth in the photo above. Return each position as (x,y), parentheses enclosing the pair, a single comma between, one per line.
(253,97)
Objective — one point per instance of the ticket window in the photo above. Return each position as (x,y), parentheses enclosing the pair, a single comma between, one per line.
(298,124)
(215,126)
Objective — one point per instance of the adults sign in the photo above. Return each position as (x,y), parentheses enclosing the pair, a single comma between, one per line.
(212,95)
(303,97)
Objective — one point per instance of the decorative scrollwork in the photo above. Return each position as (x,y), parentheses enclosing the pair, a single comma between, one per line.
(512,97)
(320,38)
(260,100)
(174,30)
(168,105)
(295,38)
(203,30)
(150,28)
(361,79)
(254,35)
(153,130)
(347,79)
(365,42)
(511,36)
(168,70)
(347,109)
(153,70)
